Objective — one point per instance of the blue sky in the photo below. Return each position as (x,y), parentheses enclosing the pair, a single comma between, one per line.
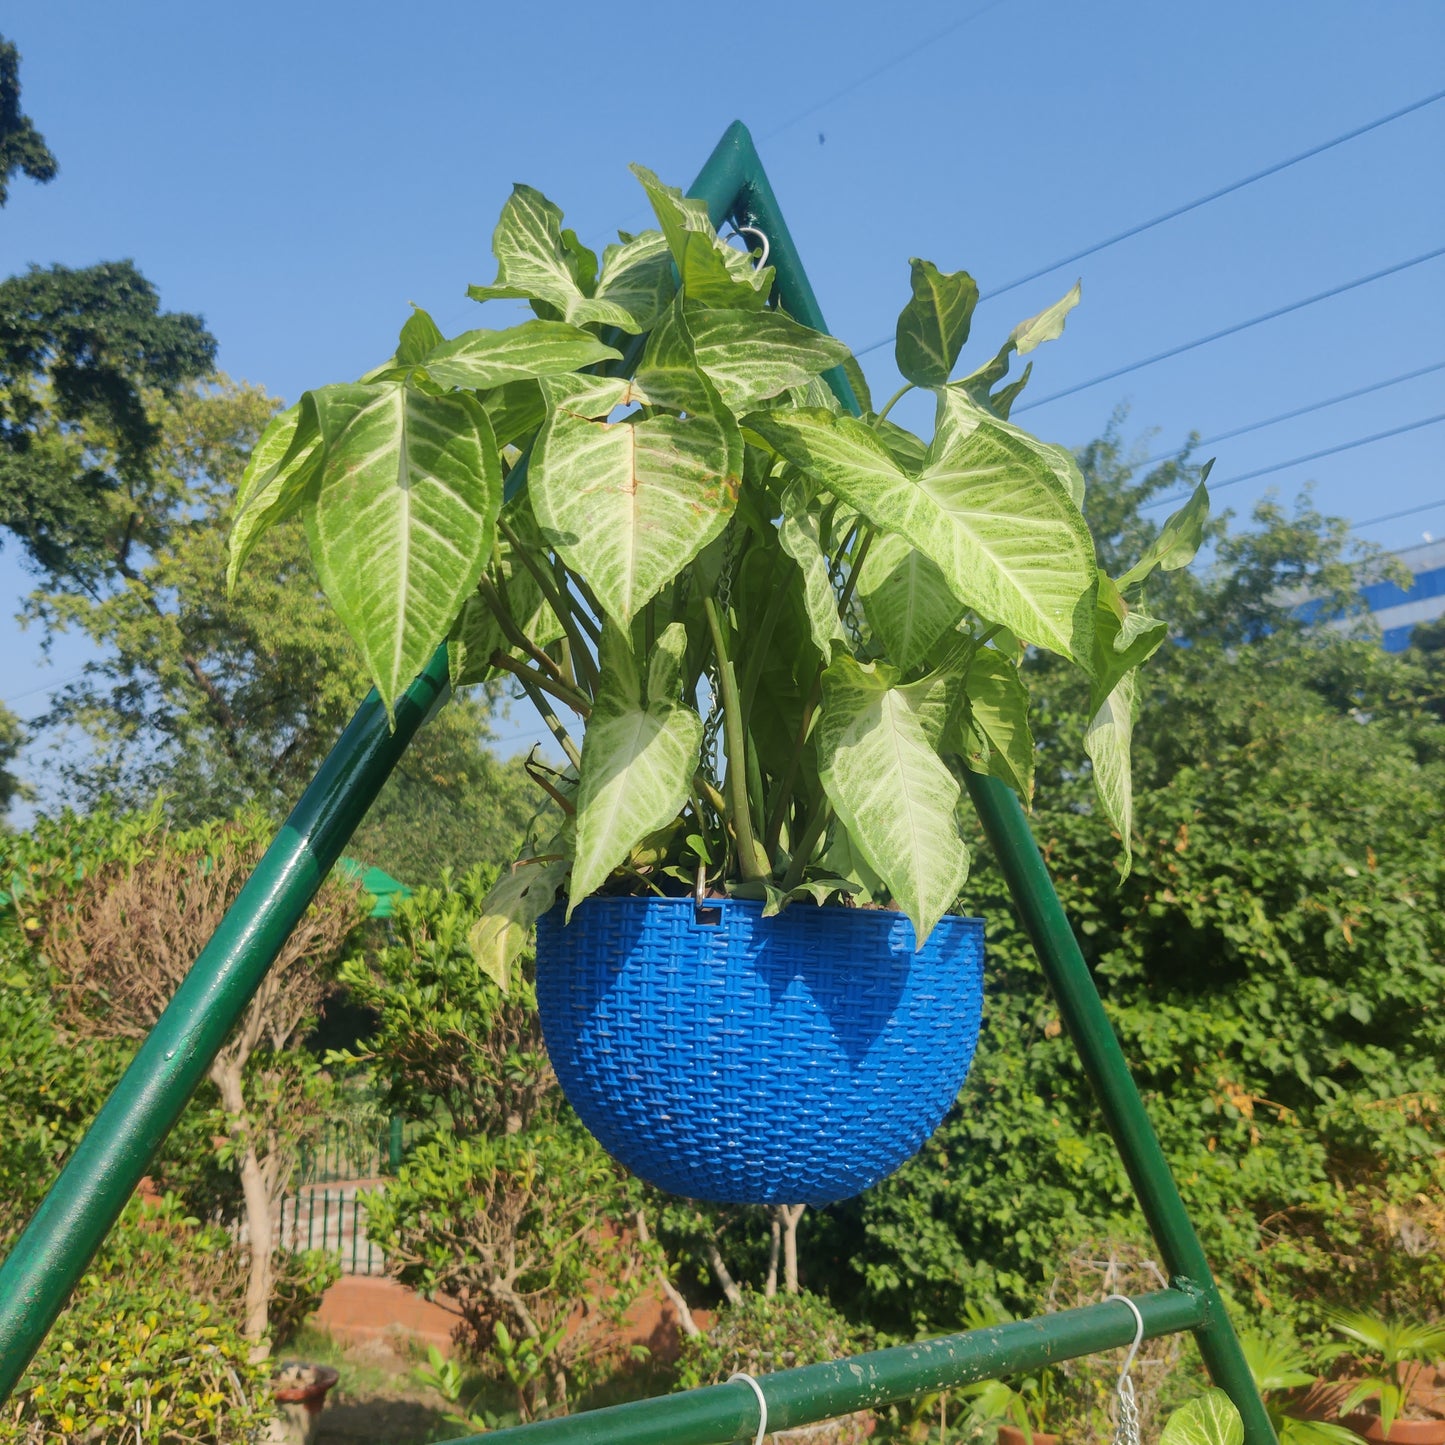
(299,173)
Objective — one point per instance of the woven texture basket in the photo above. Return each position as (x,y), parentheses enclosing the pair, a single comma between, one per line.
(787,1060)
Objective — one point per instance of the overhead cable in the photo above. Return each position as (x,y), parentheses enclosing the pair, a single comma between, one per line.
(1235,329)
(887,65)
(1240,431)
(1378,436)
(1223,191)
(1194,205)
(1395,516)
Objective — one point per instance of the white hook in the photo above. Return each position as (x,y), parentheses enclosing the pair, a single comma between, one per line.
(762,1404)
(1138,1331)
(761,235)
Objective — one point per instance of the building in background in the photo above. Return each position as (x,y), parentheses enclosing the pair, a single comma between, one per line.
(1398,612)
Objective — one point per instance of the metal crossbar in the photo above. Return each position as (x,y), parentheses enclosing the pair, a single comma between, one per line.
(108,1163)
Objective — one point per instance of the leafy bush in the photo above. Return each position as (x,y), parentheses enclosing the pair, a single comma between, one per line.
(763,1334)
(138,1355)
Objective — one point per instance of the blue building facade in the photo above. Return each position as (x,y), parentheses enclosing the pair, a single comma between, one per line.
(1397,611)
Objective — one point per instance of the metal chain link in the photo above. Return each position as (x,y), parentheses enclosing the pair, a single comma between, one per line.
(712,723)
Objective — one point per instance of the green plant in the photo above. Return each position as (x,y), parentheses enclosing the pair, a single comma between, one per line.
(1209,1419)
(1394,1350)
(449,1380)
(853,600)
(1280,1366)
(1028,1402)
(139,1354)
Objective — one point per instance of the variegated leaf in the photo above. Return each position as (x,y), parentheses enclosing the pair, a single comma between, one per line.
(475,636)
(638,758)
(1107,741)
(1210,1419)
(403,520)
(712,272)
(516,901)
(751,356)
(628,504)
(906,600)
(998,717)
(638,276)
(481,360)
(274,483)
(987,510)
(535,263)
(799,536)
(1048,325)
(934,325)
(1178,540)
(891,791)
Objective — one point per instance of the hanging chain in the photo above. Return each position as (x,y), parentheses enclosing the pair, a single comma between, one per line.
(712,724)
(1126,1428)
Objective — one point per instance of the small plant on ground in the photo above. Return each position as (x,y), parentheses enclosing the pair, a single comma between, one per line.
(1392,1350)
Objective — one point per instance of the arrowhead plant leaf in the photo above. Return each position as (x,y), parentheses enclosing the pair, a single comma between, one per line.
(1211,1419)
(750,356)
(516,901)
(998,722)
(480,360)
(637,763)
(986,509)
(534,263)
(403,518)
(1107,741)
(890,789)
(628,504)
(273,486)
(1178,540)
(934,325)
(906,600)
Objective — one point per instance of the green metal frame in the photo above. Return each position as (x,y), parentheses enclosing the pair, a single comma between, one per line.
(85,1201)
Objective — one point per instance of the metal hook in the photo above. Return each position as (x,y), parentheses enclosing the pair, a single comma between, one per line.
(761,235)
(762,1404)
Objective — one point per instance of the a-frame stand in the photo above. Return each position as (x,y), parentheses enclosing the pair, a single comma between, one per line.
(108,1163)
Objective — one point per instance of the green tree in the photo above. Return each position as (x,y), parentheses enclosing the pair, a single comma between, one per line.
(22,147)
(1273,964)
(505,1204)
(12,739)
(83,356)
(221,699)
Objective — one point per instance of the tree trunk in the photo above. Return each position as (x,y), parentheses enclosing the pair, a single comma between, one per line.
(791,1214)
(775,1240)
(726,1282)
(256,1201)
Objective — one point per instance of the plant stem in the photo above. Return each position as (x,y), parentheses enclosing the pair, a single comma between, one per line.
(554,723)
(758,648)
(750,859)
(895,399)
(790,776)
(855,569)
(515,635)
(555,600)
(803,855)
(556,687)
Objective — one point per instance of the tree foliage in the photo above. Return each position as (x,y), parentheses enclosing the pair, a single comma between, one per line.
(83,354)
(22,147)
(1273,965)
(225,700)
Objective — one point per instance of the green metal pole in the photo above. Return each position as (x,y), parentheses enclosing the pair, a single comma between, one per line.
(721,1413)
(1083,1014)
(734,170)
(52,1253)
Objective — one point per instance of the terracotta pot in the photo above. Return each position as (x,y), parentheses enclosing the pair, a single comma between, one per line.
(299,1384)
(1012,1435)
(1402,1432)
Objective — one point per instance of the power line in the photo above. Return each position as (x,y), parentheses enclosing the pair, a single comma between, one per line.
(1223,191)
(44,687)
(886,66)
(1395,516)
(1378,436)
(1194,205)
(1234,330)
(1240,431)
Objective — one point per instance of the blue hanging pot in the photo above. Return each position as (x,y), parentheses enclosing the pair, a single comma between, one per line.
(787,1060)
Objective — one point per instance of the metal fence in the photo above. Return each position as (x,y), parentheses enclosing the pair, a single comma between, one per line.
(345,1152)
(330,1219)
